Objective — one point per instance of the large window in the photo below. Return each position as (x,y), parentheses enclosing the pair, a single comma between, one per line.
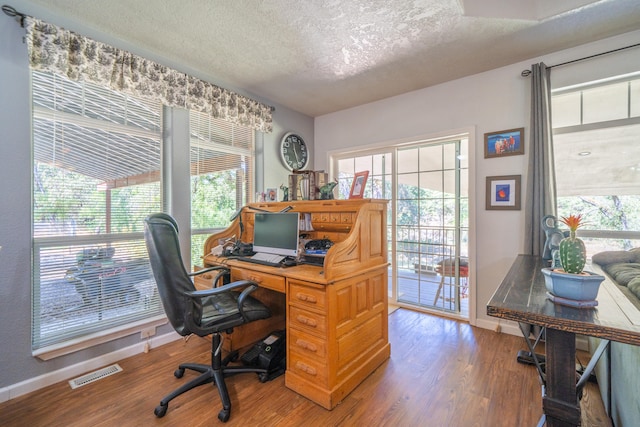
(597,159)
(96,175)
(221,160)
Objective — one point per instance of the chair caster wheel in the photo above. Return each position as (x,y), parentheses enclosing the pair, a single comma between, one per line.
(263,377)
(224,415)
(160,410)
(178,373)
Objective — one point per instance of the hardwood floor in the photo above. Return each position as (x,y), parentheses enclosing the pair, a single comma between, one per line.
(441,373)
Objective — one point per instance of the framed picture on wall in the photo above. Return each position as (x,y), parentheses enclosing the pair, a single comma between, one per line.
(503,192)
(504,143)
(358,184)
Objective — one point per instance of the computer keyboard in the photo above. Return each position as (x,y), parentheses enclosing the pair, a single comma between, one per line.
(266,259)
(275,259)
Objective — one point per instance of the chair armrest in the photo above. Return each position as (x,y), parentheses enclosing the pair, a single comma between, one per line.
(206,270)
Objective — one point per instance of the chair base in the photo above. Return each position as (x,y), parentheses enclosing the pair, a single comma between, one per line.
(214,373)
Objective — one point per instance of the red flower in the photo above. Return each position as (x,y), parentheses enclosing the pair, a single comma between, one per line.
(573,221)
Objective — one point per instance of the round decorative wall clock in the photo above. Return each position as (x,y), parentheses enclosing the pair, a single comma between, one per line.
(294,152)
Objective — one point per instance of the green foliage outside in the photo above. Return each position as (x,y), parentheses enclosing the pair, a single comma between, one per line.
(618,213)
(213,199)
(213,202)
(425,218)
(68,203)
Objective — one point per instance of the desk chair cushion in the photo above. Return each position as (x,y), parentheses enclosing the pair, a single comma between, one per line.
(221,311)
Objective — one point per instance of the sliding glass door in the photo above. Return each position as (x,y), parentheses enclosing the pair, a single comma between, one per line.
(431,232)
(427,185)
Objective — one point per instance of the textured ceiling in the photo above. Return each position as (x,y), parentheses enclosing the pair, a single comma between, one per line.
(321,56)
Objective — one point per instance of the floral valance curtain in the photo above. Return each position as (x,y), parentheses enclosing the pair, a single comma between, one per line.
(56,50)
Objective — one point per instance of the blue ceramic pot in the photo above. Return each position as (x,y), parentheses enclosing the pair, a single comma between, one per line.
(579,287)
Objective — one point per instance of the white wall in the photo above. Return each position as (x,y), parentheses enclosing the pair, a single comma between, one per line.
(490,101)
(15,200)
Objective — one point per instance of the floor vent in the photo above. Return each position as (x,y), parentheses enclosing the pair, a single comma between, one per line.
(94,376)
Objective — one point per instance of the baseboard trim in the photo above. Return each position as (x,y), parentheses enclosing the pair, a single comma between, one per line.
(36,383)
(512,328)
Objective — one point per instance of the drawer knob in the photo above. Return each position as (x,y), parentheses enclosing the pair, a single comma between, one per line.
(306,368)
(255,279)
(307,298)
(307,321)
(306,345)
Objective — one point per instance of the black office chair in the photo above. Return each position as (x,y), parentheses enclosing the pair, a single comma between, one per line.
(200,312)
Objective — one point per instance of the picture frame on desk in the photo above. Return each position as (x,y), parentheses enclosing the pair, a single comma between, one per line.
(358,185)
(271,195)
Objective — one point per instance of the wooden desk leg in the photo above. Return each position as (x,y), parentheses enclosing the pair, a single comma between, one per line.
(560,403)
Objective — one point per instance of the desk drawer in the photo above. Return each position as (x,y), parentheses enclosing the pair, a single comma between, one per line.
(307,368)
(308,321)
(265,280)
(307,344)
(307,296)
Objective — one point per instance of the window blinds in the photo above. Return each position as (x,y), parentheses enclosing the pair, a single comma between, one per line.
(96,175)
(221,159)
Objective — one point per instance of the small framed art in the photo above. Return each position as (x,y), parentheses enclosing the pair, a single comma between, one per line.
(271,195)
(358,185)
(504,143)
(503,192)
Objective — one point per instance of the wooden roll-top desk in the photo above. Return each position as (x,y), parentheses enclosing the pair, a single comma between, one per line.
(335,314)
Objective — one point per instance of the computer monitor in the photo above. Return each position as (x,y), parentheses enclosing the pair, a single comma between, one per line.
(276,233)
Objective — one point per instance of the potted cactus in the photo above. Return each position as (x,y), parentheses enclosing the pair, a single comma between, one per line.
(571,281)
(573,254)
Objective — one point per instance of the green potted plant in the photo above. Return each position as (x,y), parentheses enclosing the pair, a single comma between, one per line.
(572,281)
(573,253)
